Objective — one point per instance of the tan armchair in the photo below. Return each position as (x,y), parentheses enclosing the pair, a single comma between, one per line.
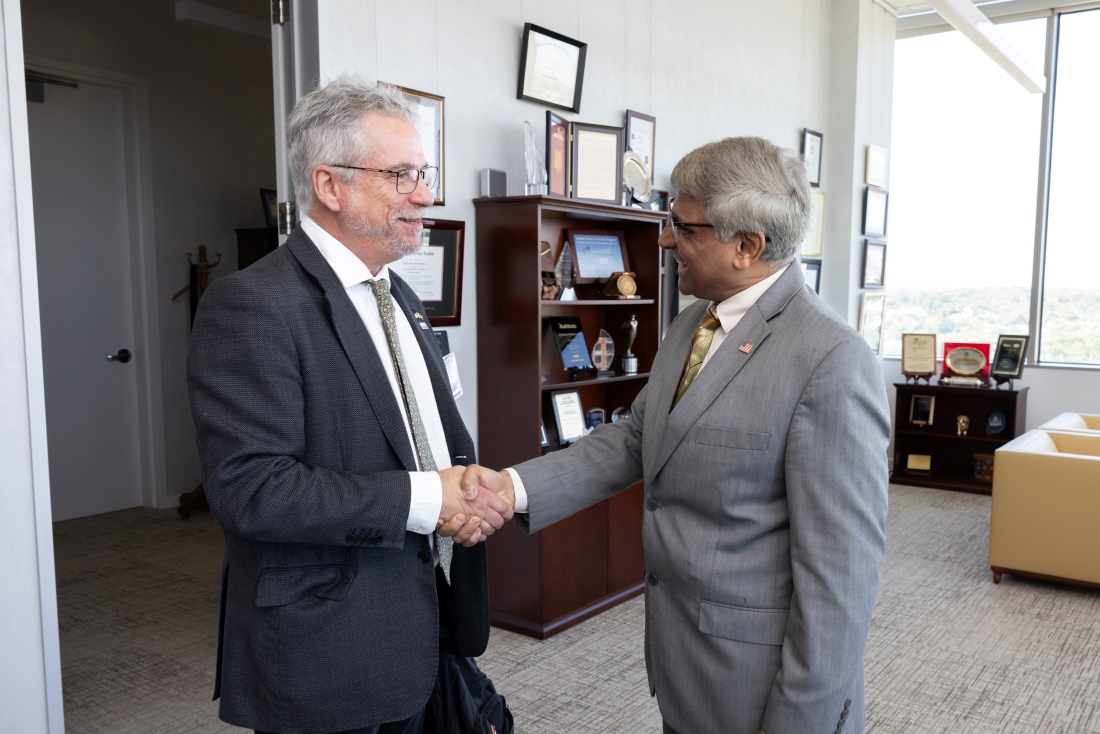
(1046,508)
(1076,422)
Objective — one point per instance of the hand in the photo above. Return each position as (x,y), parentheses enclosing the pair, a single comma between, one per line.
(461,530)
(499,483)
(487,508)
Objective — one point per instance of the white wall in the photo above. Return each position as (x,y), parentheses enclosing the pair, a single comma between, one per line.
(213,148)
(706,69)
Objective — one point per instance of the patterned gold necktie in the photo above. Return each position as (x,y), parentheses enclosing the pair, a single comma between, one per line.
(700,345)
(381,287)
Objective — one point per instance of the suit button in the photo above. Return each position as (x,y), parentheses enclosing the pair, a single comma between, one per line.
(424,556)
(351,539)
(848,704)
(844,715)
(651,503)
(374,540)
(653,579)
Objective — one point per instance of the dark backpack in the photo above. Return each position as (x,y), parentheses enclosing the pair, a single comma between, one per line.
(465,701)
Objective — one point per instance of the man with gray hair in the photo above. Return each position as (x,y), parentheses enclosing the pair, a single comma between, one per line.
(761,437)
(332,449)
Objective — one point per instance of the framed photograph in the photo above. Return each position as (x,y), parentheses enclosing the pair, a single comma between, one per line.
(918,355)
(568,414)
(921,410)
(551,68)
(641,134)
(813,145)
(597,163)
(270,199)
(557,154)
(877,172)
(874,212)
(597,253)
(430,126)
(870,319)
(812,270)
(434,272)
(874,263)
(1008,358)
(815,232)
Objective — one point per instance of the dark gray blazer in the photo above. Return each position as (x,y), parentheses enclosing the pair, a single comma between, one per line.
(331,619)
(764,520)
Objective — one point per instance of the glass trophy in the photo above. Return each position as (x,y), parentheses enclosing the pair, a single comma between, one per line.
(603,354)
(536,167)
(565,275)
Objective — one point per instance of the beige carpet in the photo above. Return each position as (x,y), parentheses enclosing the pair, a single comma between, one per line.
(948,651)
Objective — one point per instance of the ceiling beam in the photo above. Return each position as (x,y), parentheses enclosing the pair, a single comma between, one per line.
(972,23)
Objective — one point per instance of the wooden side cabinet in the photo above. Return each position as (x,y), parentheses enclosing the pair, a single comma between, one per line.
(544,583)
(952,454)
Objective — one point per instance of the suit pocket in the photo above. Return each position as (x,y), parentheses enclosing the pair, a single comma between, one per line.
(757,626)
(732,438)
(279,587)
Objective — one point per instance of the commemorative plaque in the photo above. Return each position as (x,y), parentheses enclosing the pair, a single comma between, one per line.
(918,356)
(1008,360)
(570,341)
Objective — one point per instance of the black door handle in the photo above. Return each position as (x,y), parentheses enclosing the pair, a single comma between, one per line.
(123,356)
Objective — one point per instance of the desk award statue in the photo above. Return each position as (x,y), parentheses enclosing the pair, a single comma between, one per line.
(630,361)
(536,167)
(603,354)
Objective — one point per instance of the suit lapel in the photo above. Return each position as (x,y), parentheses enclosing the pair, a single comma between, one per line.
(358,346)
(724,365)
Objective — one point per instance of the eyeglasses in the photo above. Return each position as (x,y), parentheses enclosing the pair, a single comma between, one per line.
(407,178)
(677,225)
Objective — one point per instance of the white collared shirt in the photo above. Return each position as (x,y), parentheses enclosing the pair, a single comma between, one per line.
(730,313)
(427,489)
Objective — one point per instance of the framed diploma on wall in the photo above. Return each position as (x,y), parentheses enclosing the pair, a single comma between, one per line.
(434,272)
(874,212)
(557,154)
(551,68)
(429,123)
(813,145)
(597,163)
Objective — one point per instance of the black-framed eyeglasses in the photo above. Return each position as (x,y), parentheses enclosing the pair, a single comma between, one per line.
(407,178)
(677,225)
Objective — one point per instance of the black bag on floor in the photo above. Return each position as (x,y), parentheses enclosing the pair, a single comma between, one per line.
(465,701)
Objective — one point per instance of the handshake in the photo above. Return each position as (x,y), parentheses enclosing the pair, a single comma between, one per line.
(476,502)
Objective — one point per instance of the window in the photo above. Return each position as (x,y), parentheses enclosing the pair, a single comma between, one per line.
(1071,295)
(964,177)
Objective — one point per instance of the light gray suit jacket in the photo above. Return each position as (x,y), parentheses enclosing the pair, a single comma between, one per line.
(764,527)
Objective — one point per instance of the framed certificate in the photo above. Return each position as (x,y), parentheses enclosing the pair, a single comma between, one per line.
(557,154)
(870,319)
(1008,359)
(813,144)
(551,68)
(429,124)
(874,212)
(597,163)
(815,231)
(874,263)
(597,253)
(918,355)
(641,132)
(434,272)
(568,414)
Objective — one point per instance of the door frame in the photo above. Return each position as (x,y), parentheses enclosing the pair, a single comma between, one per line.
(139,195)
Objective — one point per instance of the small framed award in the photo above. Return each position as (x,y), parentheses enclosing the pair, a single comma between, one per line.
(811,269)
(598,254)
(596,163)
(557,154)
(551,68)
(434,272)
(918,356)
(815,230)
(871,318)
(874,212)
(919,464)
(568,414)
(921,410)
(1008,359)
(641,134)
(813,144)
(429,123)
(874,263)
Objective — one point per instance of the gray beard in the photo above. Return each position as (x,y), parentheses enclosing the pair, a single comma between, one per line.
(391,238)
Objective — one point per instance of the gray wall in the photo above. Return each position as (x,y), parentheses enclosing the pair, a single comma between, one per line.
(213,141)
(706,69)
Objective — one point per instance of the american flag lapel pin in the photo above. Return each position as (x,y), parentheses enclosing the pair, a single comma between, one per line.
(417,315)
(746,347)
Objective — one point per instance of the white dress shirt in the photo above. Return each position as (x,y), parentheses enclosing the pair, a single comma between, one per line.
(730,313)
(427,489)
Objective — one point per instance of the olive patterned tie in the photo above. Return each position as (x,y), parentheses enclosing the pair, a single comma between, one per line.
(381,287)
(700,345)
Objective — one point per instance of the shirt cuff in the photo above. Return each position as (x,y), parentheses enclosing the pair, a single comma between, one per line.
(521,492)
(427,501)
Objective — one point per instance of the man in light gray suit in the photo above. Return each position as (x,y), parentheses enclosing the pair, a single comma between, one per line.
(762,438)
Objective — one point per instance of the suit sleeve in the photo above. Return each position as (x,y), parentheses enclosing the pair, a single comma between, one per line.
(837,495)
(247,400)
(601,464)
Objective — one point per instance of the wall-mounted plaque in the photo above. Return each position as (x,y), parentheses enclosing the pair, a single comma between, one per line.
(568,414)
(870,319)
(921,410)
(551,68)
(878,165)
(814,242)
(570,341)
(434,272)
(811,270)
(918,355)
(874,263)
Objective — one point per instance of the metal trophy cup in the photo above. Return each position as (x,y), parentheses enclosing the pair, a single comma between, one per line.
(630,361)
(603,353)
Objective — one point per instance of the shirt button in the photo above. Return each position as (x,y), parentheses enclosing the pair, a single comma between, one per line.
(651,503)
(653,579)
(424,556)
(415,528)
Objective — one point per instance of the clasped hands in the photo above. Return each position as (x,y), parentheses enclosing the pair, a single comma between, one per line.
(476,502)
